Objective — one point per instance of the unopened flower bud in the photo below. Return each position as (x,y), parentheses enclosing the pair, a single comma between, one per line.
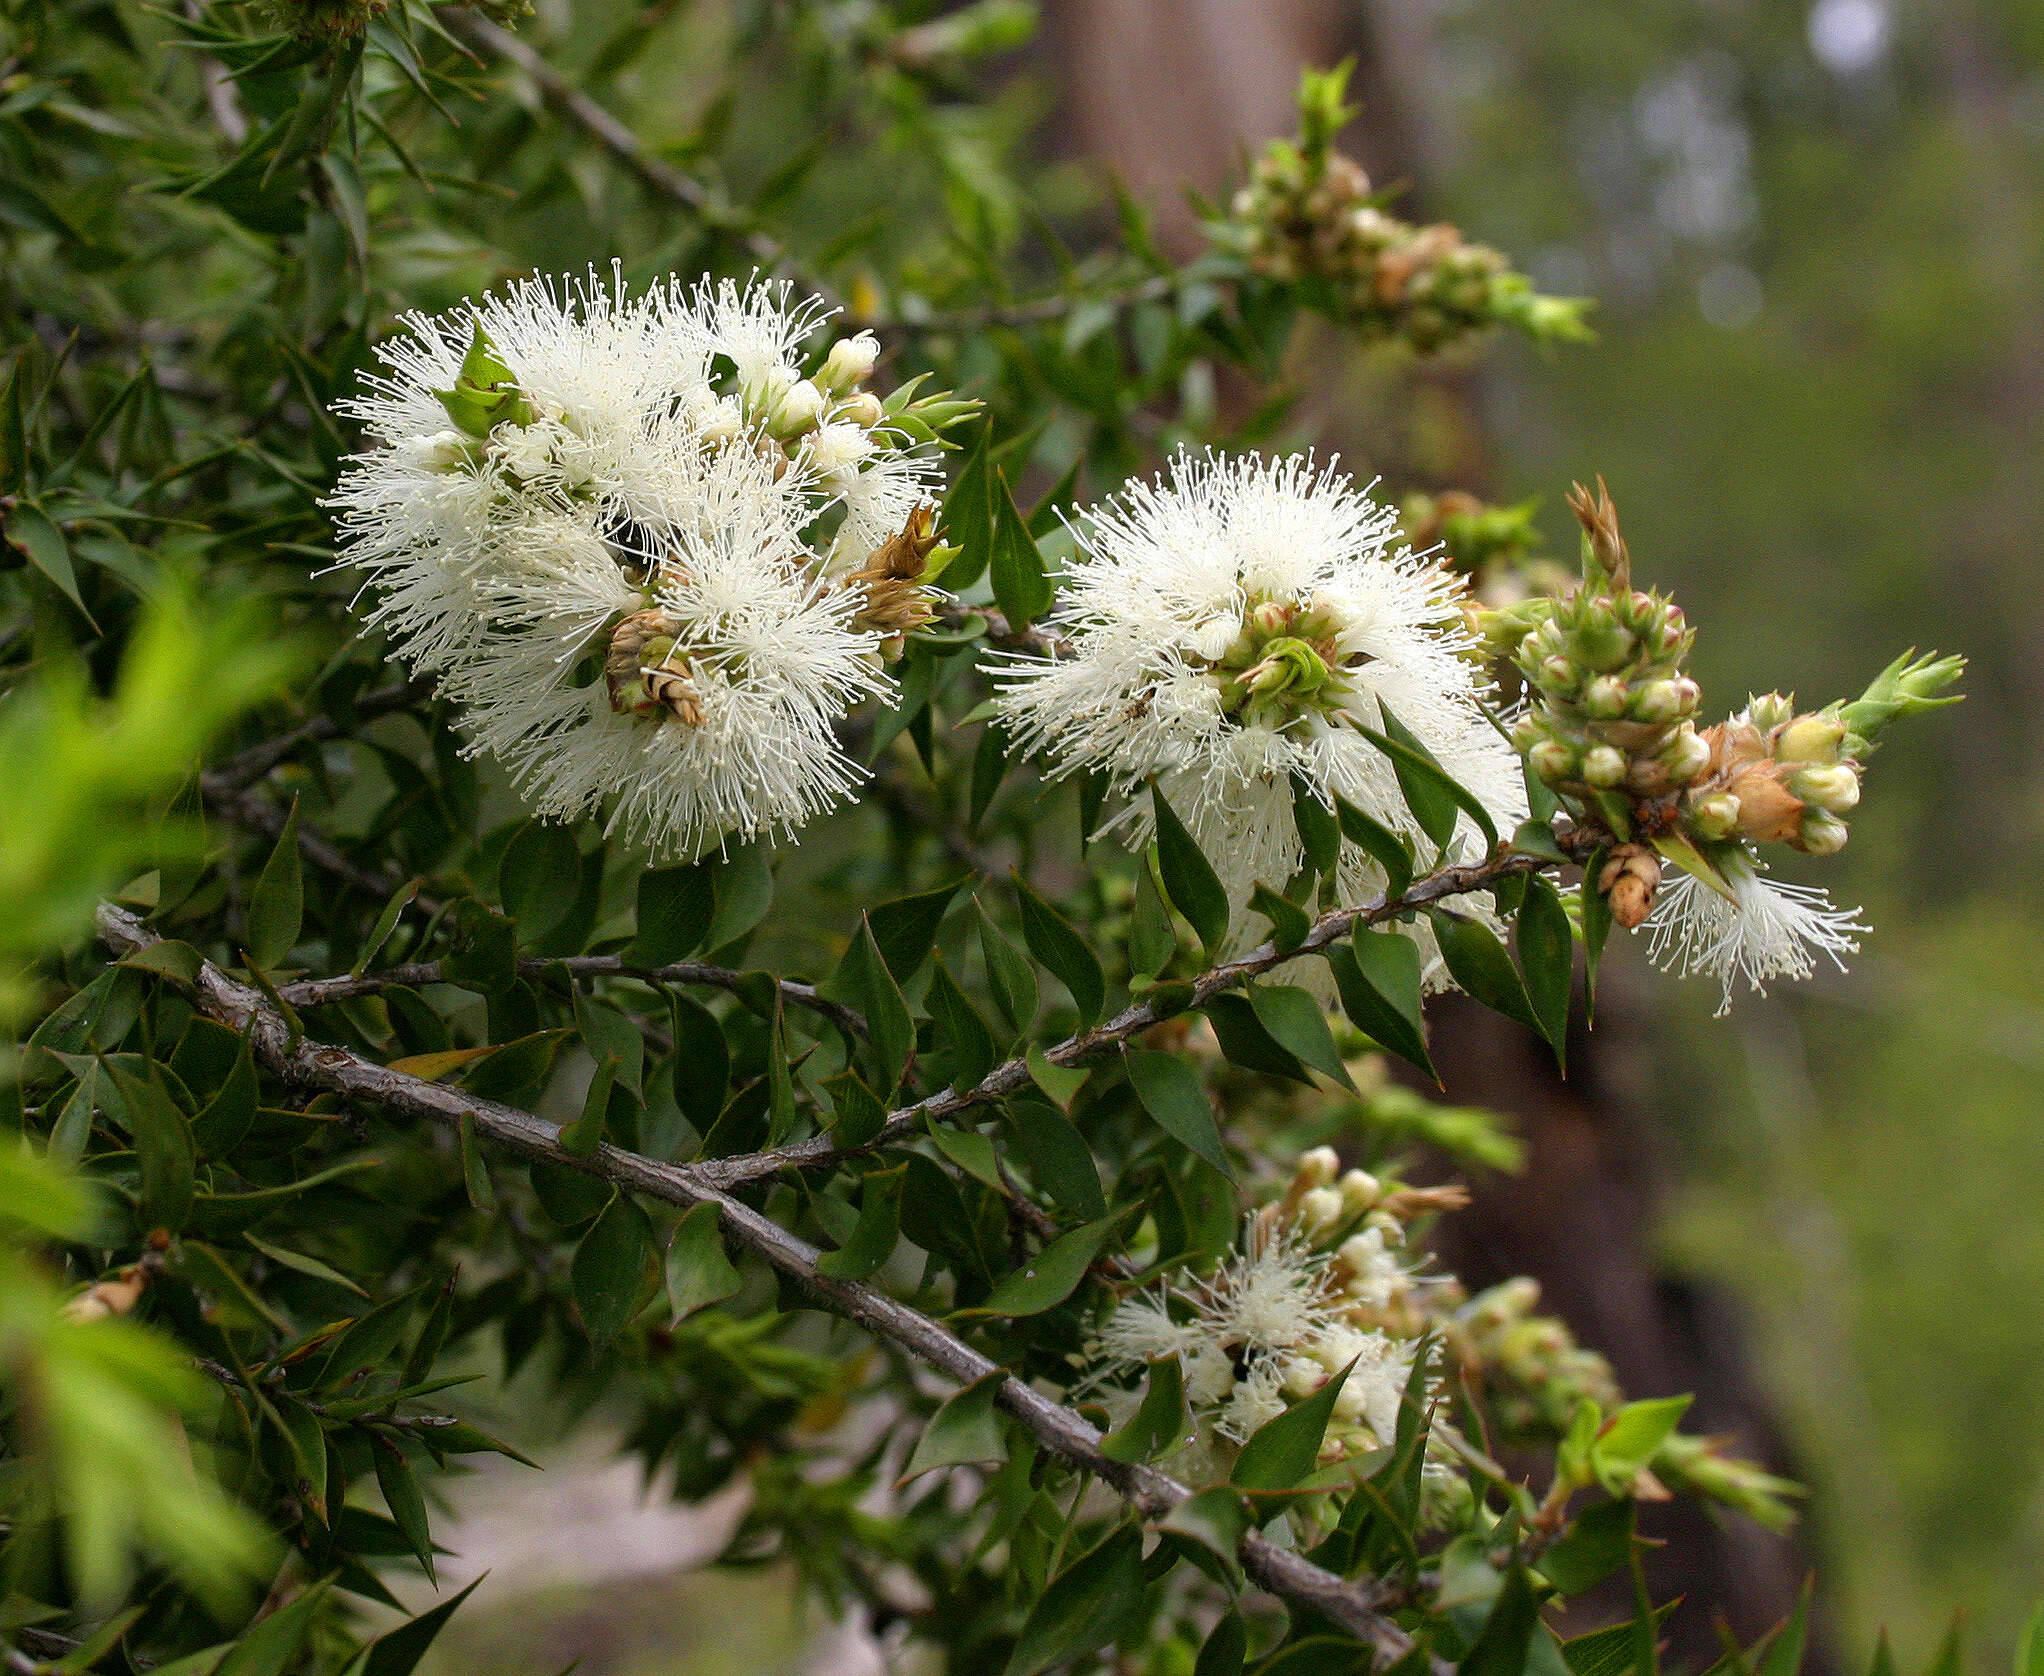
(1602,643)
(1320,1210)
(1558,672)
(1769,710)
(441,451)
(1822,833)
(1316,1168)
(1714,817)
(838,447)
(849,364)
(1359,1191)
(1269,618)
(1834,789)
(1814,738)
(1629,881)
(1604,765)
(1662,701)
(1552,760)
(1686,755)
(864,408)
(801,408)
(1605,698)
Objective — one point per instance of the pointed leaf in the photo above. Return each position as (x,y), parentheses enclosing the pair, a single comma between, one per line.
(407,1503)
(276,907)
(1051,1276)
(1159,1425)
(1085,1606)
(1016,566)
(878,1230)
(1477,961)
(960,1028)
(905,930)
(1189,878)
(1173,1094)
(1392,854)
(399,1652)
(1297,1025)
(1286,1449)
(609,1269)
(1431,793)
(1547,956)
(965,1430)
(862,981)
(1288,921)
(1010,977)
(1378,974)
(698,1271)
(1057,946)
(969,517)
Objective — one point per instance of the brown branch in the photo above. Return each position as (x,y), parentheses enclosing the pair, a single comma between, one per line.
(319,992)
(308,1064)
(652,170)
(1088,1045)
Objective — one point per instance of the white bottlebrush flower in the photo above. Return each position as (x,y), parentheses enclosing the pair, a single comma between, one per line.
(1767,930)
(1233,625)
(611,557)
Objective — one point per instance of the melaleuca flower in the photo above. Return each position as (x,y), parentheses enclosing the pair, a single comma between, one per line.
(694,691)
(610,522)
(1232,629)
(1762,931)
(1319,1283)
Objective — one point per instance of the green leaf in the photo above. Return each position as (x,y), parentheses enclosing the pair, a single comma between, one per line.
(1596,1544)
(1609,1652)
(609,1269)
(1378,975)
(2030,1649)
(1596,923)
(1477,961)
(1297,1025)
(1010,978)
(1189,878)
(1086,1605)
(386,923)
(1319,828)
(960,1028)
(269,1646)
(581,1138)
(537,875)
(1785,1651)
(675,908)
(302,1264)
(742,885)
(1288,921)
(399,1652)
(1547,956)
(969,517)
(475,1170)
(224,1120)
(965,1430)
(1507,1634)
(1245,1042)
(1171,1092)
(1060,1084)
(1629,1439)
(1020,585)
(1431,793)
(1051,1276)
(873,1240)
(1059,1161)
(1319,1655)
(407,1504)
(858,1113)
(905,930)
(276,906)
(1284,1450)
(989,769)
(485,952)
(698,1271)
(1390,852)
(163,1150)
(30,529)
(1059,948)
(369,1340)
(1213,1520)
(972,1152)
(863,982)
(1158,1426)
(1152,939)
(1227,1647)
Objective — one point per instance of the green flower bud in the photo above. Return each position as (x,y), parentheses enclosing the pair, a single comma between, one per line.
(1603,644)
(1769,710)
(1686,755)
(1834,789)
(1663,700)
(1557,674)
(1604,766)
(1822,834)
(1553,761)
(1605,698)
(849,364)
(1288,665)
(1715,817)
(1813,738)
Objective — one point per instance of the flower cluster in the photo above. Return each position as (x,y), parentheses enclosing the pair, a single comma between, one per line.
(1321,1283)
(1239,628)
(652,560)
(1610,727)
(1306,217)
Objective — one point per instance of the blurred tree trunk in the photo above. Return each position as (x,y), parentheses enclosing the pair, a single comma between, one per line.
(1170,94)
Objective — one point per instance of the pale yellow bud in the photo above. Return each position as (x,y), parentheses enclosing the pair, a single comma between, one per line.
(1604,765)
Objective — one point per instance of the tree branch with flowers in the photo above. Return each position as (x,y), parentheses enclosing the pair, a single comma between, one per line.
(1050,1233)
